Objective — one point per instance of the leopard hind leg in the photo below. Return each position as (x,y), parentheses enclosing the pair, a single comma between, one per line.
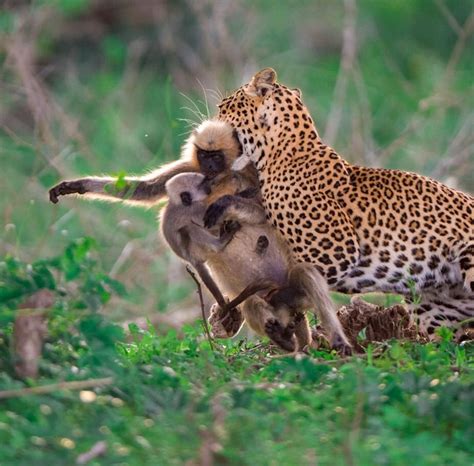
(447,308)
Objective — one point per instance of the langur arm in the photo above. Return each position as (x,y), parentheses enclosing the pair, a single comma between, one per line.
(194,244)
(146,189)
(202,242)
(241,209)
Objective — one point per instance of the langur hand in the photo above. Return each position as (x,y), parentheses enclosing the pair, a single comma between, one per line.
(66,187)
(240,163)
(216,210)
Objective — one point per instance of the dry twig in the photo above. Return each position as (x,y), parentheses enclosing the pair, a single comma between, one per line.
(29,331)
(201,302)
(54,387)
(348,56)
(463,35)
(98,449)
(459,150)
(453,23)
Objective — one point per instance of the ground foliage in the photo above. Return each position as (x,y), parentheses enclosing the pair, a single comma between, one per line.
(174,400)
(94,86)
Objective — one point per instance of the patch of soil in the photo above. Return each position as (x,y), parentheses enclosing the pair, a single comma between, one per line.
(378,323)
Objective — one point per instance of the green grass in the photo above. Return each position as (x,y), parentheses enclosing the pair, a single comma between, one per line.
(411,404)
(173,397)
(408,105)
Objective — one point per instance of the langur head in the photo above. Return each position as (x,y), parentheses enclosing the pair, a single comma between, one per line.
(216,145)
(187,188)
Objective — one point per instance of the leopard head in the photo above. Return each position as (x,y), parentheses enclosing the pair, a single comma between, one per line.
(266,113)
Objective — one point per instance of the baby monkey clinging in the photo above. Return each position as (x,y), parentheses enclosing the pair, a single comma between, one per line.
(182,228)
(256,254)
(237,258)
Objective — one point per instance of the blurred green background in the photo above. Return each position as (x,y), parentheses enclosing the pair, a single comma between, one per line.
(113,86)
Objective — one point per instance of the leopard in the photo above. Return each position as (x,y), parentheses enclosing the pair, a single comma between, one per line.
(365,229)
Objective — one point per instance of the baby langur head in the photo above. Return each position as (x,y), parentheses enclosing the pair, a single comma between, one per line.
(186,188)
(216,145)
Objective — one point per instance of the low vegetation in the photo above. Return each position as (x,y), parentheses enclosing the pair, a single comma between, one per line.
(138,397)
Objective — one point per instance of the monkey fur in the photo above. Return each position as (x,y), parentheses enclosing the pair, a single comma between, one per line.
(211,149)
(260,254)
(236,259)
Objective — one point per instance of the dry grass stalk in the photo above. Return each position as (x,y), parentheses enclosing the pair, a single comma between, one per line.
(29,331)
(43,389)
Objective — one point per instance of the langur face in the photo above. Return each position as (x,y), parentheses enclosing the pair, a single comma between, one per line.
(186,198)
(211,163)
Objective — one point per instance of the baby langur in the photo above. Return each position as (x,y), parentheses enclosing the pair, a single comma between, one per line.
(182,229)
(210,149)
(257,253)
(241,260)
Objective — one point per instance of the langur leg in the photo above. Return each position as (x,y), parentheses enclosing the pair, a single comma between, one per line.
(302,331)
(306,278)
(225,322)
(202,243)
(211,285)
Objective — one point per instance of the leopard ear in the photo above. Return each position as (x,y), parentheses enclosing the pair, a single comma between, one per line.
(262,82)
(267,76)
(297,92)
